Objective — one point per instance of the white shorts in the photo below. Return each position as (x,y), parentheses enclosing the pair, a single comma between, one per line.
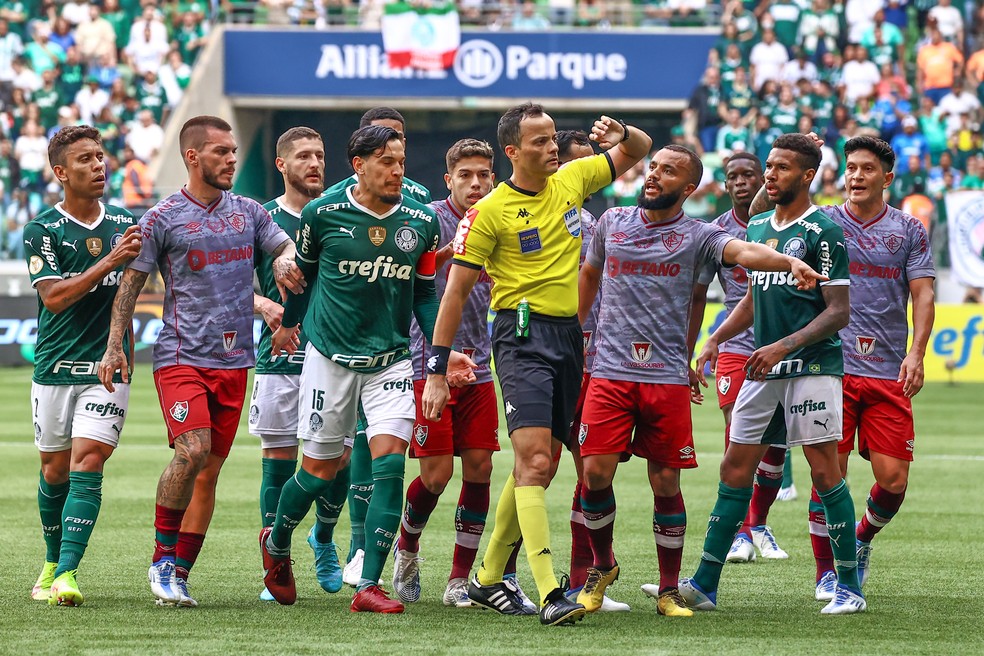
(789,411)
(273,410)
(330,397)
(62,412)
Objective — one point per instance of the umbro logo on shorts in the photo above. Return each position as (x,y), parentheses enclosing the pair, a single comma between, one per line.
(687,453)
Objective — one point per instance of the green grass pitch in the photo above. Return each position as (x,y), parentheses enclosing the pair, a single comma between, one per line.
(923,594)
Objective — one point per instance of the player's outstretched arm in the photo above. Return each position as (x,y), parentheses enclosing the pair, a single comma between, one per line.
(698,303)
(835,316)
(461,280)
(626,144)
(911,373)
(758,257)
(59,295)
(121,319)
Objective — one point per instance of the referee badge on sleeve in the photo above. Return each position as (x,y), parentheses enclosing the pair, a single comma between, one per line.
(572,219)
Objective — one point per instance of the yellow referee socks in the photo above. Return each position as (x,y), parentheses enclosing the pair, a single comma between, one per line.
(531,508)
(504,536)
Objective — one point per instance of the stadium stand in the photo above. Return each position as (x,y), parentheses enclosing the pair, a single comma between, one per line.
(909,71)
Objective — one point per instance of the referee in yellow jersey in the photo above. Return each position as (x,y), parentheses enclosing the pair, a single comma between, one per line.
(527,235)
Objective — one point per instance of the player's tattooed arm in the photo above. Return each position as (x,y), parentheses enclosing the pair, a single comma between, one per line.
(271,311)
(760,203)
(834,317)
(285,270)
(178,480)
(120,321)
(59,295)
(911,372)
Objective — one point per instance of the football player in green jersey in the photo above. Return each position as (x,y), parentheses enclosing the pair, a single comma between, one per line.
(273,408)
(792,395)
(75,255)
(373,253)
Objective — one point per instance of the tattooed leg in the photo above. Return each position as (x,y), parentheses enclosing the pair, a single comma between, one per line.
(177,483)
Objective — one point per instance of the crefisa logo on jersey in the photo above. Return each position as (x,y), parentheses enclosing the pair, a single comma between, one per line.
(406,239)
(229,339)
(673,240)
(420,434)
(864,345)
(179,411)
(642,351)
(795,247)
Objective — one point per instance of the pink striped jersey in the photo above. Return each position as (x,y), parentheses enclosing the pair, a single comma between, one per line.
(473,337)
(205,255)
(885,253)
(734,281)
(650,271)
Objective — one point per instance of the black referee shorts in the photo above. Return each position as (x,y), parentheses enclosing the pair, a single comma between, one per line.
(540,375)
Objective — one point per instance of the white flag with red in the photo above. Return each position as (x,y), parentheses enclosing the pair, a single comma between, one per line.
(421,35)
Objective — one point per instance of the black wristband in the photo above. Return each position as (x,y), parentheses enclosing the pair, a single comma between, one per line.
(625,129)
(437,363)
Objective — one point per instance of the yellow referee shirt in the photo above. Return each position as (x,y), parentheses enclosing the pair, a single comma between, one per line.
(529,243)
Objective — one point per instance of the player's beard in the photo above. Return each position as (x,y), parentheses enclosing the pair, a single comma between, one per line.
(211,179)
(391,200)
(662,202)
(310,190)
(788,196)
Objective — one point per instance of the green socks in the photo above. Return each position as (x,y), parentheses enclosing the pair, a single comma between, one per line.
(51,501)
(298,494)
(79,517)
(725,521)
(329,506)
(839,509)
(360,490)
(275,473)
(383,516)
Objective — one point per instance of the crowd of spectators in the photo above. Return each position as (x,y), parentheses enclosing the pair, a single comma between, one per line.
(908,71)
(119,65)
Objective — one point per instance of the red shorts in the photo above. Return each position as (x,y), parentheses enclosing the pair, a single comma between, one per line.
(879,413)
(193,398)
(660,415)
(730,374)
(578,410)
(470,421)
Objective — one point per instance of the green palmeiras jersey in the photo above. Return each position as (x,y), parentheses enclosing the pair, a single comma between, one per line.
(283,363)
(58,246)
(372,271)
(780,308)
